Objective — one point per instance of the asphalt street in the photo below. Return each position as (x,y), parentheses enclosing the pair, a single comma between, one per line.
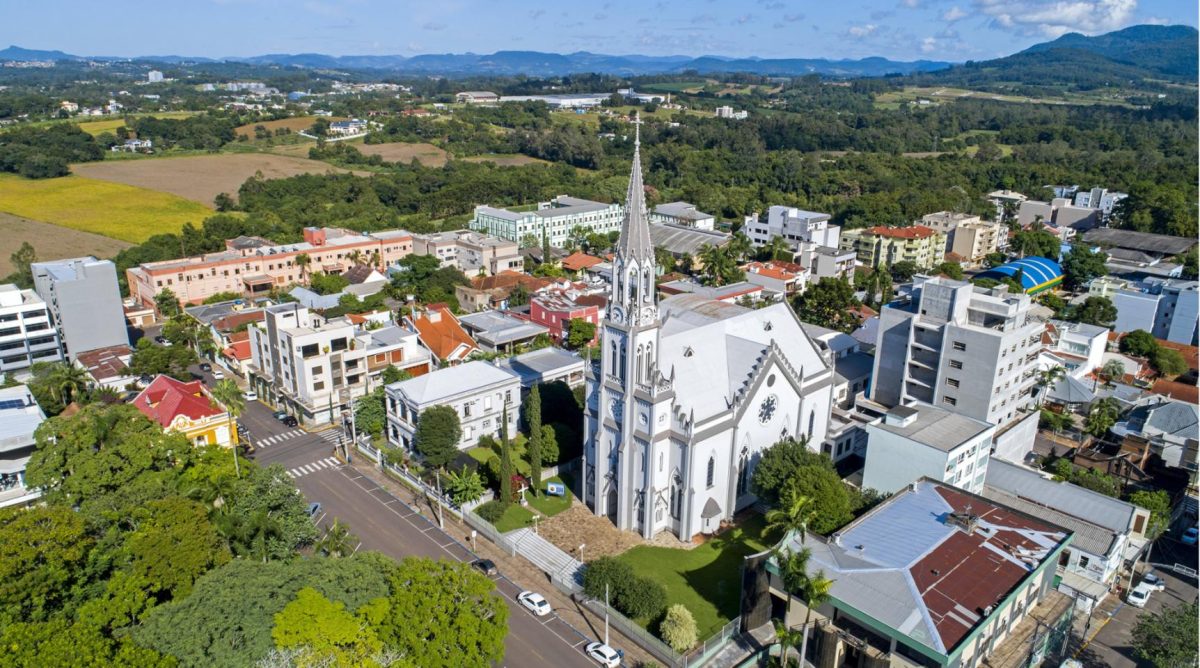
(388,525)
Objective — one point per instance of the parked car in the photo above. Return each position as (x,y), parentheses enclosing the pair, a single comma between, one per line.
(1189,536)
(162,341)
(250,395)
(487,566)
(205,366)
(314,510)
(279,415)
(1151,578)
(534,602)
(605,655)
(1140,595)
(290,421)
(217,374)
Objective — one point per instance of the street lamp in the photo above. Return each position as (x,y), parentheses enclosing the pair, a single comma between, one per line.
(581,546)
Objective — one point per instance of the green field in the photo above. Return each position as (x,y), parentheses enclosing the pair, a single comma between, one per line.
(675,86)
(705,579)
(94,128)
(942,94)
(110,209)
(514,518)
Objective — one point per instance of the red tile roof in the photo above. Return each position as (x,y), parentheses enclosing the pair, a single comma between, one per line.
(441,332)
(1179,391)
(780,271)
(234,320)
(578,261)
(104,363)
(510,279)
(166,398)
(238,350)
(914,232)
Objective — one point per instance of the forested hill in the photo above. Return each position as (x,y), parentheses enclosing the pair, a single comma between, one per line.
(1133,55)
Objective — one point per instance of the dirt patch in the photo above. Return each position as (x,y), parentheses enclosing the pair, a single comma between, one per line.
(428,154)
(203,177)
(51,242)
(507,160)
(577,525)
(295,124)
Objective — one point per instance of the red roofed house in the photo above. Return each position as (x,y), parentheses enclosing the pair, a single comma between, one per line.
(188,409)
(442,334)
(108,366)
(556,313)
(877,246)
(578,261)
(780,278)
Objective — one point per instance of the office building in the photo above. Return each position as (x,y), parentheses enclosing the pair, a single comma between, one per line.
(553,221)
(84,300)
(919,440)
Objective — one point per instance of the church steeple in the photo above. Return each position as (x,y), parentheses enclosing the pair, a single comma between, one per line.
(635,244)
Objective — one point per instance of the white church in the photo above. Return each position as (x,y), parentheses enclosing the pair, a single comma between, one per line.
(688,394)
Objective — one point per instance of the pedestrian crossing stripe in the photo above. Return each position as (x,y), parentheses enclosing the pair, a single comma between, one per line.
(277,438)
(304,469)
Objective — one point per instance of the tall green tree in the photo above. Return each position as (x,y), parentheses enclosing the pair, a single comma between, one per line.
(1097,311)
(1081,265)
(21,260)
(826,303)
(506,463)
(778,463)
(533,408)
(1102,416)
(438,434)
(1167,638)
(324,632)
(167,303)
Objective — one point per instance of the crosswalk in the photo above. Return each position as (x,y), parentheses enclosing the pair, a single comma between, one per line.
(278,438)
(305,469)
(333,436)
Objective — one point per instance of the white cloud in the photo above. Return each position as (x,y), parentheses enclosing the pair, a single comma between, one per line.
(1058,17)
(928,45)
(953,14)
(911,4)
(863,30)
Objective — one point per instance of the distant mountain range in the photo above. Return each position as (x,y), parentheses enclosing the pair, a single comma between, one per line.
(1144,51)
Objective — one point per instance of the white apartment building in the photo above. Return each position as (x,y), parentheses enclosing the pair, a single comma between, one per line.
(478,391)
(965,349)
(555,220)
(825,261)
(794,225)
(309,366)
(919,440)
(1075,346)
(20,417)
(1099,198)
(27,334)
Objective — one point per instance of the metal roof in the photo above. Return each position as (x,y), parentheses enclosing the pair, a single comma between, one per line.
(1141,241)
(536,364)
(1037,273)
(936,427)
(680,239)
(1090,538)
(443,384)
(1085,504)
(1070,390)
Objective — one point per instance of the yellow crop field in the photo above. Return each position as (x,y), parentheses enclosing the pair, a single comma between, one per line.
(94,128)
(110,209)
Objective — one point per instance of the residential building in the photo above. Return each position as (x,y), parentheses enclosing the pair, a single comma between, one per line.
(254,266)
(825,261)
(946,222)
(84,300)
(138,316)
(546,365)
(1077,347)
(924,441)
(846,435)
(441,334)
(778,279)
(933,576)
(1058,212)
(442,245)
(555,313)
(478,391)
(733,293)
(969,350)
(1108,532)
(482,254)
(1035,274)
(307,365)
(492,292)
(1099,198)
(794,225)
(188,409)
(728,112)
(968,236)
(1167,308)
(1164,429)
(580,261)
(1006,201)
(682,213)
(353,126)
(497,331)
(885,246)
(686,395)
(553,221)
(27,333)
(20,416)
(477,97)
(154,76)
(108,367)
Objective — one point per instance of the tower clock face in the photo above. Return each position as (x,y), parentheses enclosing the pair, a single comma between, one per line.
(767,409)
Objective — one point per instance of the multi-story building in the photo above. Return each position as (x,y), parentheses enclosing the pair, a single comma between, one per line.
(777,279)
(442,334)
(682,213)
(84,300)
(555,313)
(1075,346)
(1169,309)
(885,246)
(1060,213)
(553,221)
(187,408)
(969,350)
(479,392)
(919,440)
(309,366)
(825,261)
(946,222)
(480,254)
(1099,198)
(794,225)
(967,236)
(1006,201)
(254,266)
(934,576)
(27,333)
(20,417)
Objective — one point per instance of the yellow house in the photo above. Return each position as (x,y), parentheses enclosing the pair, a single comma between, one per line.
(188,409)
(876,246)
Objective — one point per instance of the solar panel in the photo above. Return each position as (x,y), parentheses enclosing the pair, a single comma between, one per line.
(6,404)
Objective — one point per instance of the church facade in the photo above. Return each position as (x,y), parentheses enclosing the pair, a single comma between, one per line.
(687,395)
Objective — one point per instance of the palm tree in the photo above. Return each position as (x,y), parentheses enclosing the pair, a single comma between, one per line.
(740,246)
(777,248)
(338,541)
(1047,378)
(787,639)
(815,592)
(795,515)
(1102,416)
(303,261)
(230,396)
(793,570)
(1113,369)
(67,381)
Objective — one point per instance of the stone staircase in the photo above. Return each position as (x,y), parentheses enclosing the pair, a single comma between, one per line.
(546,555)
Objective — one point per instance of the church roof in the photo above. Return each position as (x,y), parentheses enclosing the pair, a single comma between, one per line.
(635,228)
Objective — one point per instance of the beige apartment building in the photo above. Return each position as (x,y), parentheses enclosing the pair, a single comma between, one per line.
(253,265)
(876,246)
(967,236)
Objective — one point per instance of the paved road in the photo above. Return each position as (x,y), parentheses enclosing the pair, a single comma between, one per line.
(386,524)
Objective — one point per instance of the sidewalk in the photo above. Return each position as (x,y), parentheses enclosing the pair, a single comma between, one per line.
(516,569)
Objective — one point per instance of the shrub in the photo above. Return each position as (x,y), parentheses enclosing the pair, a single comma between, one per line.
(491,512)
(678,628)
(618,575)
(643,599)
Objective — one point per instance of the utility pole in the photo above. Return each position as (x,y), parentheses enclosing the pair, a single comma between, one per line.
(441,518)
(606,614)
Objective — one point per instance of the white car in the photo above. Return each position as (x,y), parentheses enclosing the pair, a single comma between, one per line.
(534,602)
(605,655)
(1140,594)
(217,374)
(250,395)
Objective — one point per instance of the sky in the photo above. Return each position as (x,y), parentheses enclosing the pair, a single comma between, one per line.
(953,30)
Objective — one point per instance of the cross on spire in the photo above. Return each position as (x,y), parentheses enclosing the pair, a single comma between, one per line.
(635,241)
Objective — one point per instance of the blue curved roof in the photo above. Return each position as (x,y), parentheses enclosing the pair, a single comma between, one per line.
(1037,273)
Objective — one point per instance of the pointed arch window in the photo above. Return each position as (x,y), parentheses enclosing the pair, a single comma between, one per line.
(712,471)
(812,418)
(743,479)
(613,357)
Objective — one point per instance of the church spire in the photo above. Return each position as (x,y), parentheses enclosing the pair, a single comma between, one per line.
(635,241)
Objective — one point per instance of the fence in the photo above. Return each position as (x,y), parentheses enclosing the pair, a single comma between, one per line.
(659,649)
(403,476)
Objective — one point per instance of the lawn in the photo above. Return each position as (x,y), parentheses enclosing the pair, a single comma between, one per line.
(110,209)
(705,579)
(551,505)
(514,518)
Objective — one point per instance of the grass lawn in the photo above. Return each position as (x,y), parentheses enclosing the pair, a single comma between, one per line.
(110,209)
(550,505)
(706,579)
(514,518)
